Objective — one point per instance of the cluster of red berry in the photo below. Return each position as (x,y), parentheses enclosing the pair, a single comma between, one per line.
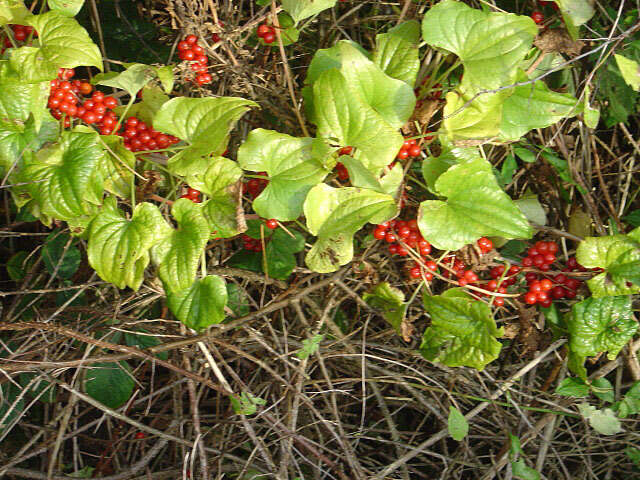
(410,148)
(64,102)
(254,186)
(541,256)
(139,137)
(193,195)
(267,33)
(251,244)
(20,34)
(189,50)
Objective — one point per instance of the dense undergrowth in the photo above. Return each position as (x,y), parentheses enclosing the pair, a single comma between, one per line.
(319,239)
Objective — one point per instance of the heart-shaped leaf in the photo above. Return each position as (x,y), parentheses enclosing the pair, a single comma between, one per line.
(391,302)
(575,13)
(343,115)
(67,183)
(63,44)
(219,180)
(490,45)
(462,332)
(601,325)
(204,123)
(359,176)
(118,248)
(476,206)
(630,71)
(397,53)
(535,106)
(293,165)
(619,255)
(201,304)
(334,215)
(177,255)
(109,383)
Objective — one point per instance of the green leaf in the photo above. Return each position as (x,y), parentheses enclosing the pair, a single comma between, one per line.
(633,454)
(341,112)
(530,206)
(534,106)
(462,331)
(204,123)
(19,99)
(178,254)
(60,255)
(17,138)
(397,53)
(221,183)
(601,324)
(359,176)
(301,9)
(143,340)
(201,304)
(67,180)
(630,71)
(237,300)
(109,383)
(13,11)
(457,424)
(280,253)
(246,404)
(602,388)
(522,471)
(18,265)
(68,8)
(390,301)
(118,248)
(63,44)
(509,167)
(474,208)
(525,155)
(633,218)
(118,167)
(602,421)
(293,165)
(433,167)
(490,45)
(334,215)
(619,255)
(132,80)
(573,387)
(467,117)
(575,13)
(153,98)
(309,346)
(630,403)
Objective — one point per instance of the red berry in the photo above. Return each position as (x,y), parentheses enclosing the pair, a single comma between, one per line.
(345,151)
(183,45)
(498,301)
(402,251)
(527,262)
(431,265)
(531,277)
(402,154)
(393,248)
(415,272)
(269,38)
(110,102)
(514,270)
(272,223)
(557,292)
(572,283)
(542,296)
(191,39)
(390,237)
(263,30)
(485,244)
(414,151)
(552,247)
(537,17)
(140,435)
(546,284)
(379,233)
(470,276)
(530,298)
(535,287)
